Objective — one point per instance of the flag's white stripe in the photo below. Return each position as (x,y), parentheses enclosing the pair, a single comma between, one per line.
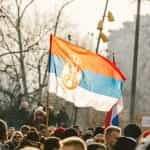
(79,96)
(117,108)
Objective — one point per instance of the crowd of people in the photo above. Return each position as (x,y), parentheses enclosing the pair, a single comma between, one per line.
(31,133)
(36,116)
(73,138)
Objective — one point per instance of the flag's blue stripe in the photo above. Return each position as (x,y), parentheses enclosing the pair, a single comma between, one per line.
(115,121)
(91,81)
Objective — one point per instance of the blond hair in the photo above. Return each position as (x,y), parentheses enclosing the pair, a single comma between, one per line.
(76,142)
(15,133)
(29,148)
(111,129)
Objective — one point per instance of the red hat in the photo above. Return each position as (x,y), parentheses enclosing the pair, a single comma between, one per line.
(60,129)
(59,132)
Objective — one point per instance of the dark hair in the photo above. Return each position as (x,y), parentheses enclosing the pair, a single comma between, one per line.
(76,127)
(99,130)
(32,139)
(132,130)
(51,143)
(70,132)
(96,146)
(87,136)
(124,143)
(25,129)
(3,129)
(33,135)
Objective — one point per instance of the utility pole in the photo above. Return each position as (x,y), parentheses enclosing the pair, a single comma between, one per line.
(135,64)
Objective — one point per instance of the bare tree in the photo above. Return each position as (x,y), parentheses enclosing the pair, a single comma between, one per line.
(18,44)
(23,52)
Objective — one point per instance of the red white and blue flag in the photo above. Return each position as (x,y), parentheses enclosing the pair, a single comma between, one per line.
(82,77)
(113,114)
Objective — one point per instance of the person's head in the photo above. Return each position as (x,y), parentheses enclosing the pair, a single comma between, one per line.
(59,132)
(112,133)
(124,143)
(96,146)
(78,129)
(29,148)
(11,130)
(31,139)
(99,130)
(51,143)
(42,130)
(33,135)
(70,132)
(51,130)
(39,104)
(3,130)
(99,138)
(25,105)
(25,129)
(73,143)
(17,137)
(63,109)
(51,108)
(87,135)
(132,130)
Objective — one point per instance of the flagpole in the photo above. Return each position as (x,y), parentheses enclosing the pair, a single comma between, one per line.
(135,63)
(100,31)
(103,19)
(48,93)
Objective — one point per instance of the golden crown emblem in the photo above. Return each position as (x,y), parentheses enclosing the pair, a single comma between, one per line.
(71,76)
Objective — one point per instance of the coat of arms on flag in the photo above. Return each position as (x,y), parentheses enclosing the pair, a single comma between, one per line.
(71,74)
(83,77)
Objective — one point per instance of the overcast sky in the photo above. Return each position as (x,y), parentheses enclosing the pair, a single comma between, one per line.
(86,13)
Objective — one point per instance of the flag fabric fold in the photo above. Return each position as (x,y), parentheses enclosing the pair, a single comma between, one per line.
(112,116)
(82,77)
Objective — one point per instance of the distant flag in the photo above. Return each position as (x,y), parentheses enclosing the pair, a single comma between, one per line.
(82,77)
(112,114)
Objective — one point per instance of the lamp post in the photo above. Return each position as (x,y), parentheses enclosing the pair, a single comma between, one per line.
(135,64)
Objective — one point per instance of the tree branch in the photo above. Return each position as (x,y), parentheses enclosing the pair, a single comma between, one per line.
(11,37)
(59,13)
(28,4)
(7,92)
(17,52)
(8,17)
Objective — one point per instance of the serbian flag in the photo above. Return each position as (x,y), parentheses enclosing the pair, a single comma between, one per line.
(82,77)
(112,117)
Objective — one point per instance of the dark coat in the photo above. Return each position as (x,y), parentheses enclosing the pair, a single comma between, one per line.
(124,143)
(62,119)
